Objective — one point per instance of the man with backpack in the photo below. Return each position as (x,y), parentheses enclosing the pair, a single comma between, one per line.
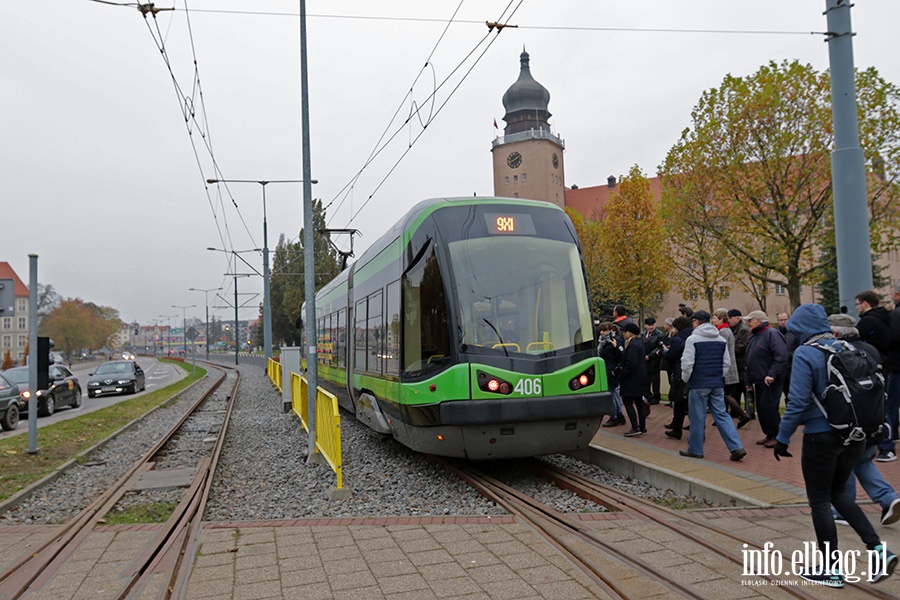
(880,491)
(827,459)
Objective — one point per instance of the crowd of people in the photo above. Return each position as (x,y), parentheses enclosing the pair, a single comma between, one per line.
(737,368)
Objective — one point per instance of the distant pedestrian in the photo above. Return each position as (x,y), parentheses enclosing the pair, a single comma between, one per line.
(652,339)
(826,461)
(719,319)
(765,367)
(612,350)
(741,337)
(703,366)
(874,323)
(887,449)
(678,396)
(621,318)
(633,380)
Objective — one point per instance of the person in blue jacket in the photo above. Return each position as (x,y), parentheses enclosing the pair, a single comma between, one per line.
(826,462)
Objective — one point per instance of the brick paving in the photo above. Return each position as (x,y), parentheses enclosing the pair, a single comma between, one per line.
(477,557)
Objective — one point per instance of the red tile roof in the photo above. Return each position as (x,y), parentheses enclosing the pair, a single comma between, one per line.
(6,272)
(591,201)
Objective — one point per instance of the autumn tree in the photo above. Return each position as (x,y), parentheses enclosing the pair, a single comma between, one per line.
(8,361)
(76,324)
(588,231)
(632,244)
(757,157)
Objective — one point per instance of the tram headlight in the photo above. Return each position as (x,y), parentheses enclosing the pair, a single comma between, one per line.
(583,380)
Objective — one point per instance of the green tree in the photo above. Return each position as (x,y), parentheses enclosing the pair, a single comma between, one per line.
(632,244)
(761,146)
(287,288)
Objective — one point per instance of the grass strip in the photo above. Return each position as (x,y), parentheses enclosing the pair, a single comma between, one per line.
(61,441)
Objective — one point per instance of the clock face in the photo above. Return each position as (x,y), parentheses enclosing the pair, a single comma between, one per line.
(514,160)
(555,160)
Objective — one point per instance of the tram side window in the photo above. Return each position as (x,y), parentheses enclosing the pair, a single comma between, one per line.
(426,330)
(392,320)
(340,342)
(375,333)
(359,337)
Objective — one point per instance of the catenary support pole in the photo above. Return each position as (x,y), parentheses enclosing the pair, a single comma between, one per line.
(848,168)
(309,269)
(32,351)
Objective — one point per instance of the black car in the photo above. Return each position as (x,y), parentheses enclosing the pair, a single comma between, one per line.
(116,377)
(64,389)
(9,404)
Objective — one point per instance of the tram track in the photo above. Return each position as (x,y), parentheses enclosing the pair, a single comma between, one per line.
(602,560)
(160,562)
(683,523)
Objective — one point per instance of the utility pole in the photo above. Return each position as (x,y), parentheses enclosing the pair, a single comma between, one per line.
(309,268)
(848,163)
(206,301)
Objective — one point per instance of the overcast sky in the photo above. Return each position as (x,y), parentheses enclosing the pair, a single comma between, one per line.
(101,177)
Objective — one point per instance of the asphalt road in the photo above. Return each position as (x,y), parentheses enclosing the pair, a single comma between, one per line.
(157,375)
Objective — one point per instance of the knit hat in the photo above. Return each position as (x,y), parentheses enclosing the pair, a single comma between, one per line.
(632,328)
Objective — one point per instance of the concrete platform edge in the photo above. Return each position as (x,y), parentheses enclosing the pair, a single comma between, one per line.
(627,466)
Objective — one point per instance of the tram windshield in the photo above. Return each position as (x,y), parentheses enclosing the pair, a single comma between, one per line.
(520,294)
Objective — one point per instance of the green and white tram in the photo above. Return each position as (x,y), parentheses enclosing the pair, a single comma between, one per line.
(466,331)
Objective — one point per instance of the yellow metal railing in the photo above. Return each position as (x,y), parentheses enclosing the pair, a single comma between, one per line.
(273,368)
(328,422)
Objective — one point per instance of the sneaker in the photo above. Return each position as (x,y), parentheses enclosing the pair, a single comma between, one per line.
(891,514)
(674,434)
(633,432)
(738,454)
(886,456)
(831,580)
(877,570)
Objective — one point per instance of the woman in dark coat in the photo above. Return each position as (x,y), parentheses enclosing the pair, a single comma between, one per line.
(633,380)
(677,387)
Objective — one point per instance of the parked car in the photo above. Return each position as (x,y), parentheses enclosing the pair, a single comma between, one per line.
(64,390)
(10,400)
(116,377)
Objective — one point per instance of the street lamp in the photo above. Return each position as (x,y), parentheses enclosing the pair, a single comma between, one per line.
(184,324)
(206,300)
(267,307)
(168,331)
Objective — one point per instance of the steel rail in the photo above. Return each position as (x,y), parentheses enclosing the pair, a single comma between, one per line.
(34,569)
(178,551)
(615,499)
(545,520)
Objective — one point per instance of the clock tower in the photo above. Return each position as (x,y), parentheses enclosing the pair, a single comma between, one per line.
(528,158)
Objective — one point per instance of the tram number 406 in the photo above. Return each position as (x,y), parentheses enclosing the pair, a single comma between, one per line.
(528,387)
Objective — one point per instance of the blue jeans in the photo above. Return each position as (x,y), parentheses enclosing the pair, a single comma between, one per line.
(618,412)
(869,476)
(701,400)
(891,408)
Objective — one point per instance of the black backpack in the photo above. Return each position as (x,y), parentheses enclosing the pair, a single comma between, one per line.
(853,402)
